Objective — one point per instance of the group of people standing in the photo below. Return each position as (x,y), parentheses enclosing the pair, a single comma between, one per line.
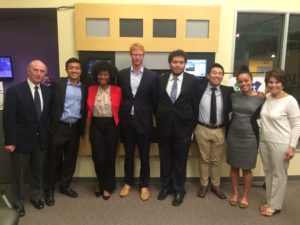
(126,103)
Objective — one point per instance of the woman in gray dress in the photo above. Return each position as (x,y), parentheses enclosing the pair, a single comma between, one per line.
(242,139)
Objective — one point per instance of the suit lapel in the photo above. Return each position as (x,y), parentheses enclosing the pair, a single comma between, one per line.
(183,86)
(127,80)
(164,83)
(28,97)
(63,89)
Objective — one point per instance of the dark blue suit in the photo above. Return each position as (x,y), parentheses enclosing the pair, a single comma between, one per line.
(29,134)
(137,129)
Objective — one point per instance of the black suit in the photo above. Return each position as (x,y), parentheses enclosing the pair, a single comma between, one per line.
(29,135)
(65,139)
(137,128)
(175,124)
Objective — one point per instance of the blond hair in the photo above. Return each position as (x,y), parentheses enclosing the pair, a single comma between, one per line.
(136,46)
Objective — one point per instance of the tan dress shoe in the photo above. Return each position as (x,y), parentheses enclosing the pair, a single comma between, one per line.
(145,193)
(125,190)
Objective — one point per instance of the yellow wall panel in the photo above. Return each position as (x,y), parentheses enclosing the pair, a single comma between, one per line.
(146,12)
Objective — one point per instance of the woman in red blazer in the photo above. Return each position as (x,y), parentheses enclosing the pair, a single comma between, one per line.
(103,104)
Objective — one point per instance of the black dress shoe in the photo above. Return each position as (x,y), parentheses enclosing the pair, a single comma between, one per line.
(202,191)
(163,194)
(178,199)
(49,198)
(98,194)
(20,210)
(37,204)
(69,192)
(218,192)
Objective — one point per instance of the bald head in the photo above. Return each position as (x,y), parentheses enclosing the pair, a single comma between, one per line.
(36,71)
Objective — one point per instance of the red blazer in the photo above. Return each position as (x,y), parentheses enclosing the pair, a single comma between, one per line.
(115,99)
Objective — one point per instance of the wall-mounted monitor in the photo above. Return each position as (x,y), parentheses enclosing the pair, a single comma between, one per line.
(93,61)
(196,67)
(6,71)
(198,63)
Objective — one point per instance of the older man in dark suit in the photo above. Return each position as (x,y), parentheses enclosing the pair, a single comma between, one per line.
(25,118)
(213,121)
(67,123)
(176,118)
(139,99)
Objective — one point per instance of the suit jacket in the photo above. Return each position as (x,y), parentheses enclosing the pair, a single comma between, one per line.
(144,101)
(115,96)
(226,93)
(57,109)
(22,127)
(178,119)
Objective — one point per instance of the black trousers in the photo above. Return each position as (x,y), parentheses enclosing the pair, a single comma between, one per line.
(20,162)
(173,153)
(62,156)
(131,138)
(104,138)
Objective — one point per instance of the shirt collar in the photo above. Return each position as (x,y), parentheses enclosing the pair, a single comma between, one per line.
(141,70)
(209,87)
(32,85)
(179,77)
(77,85)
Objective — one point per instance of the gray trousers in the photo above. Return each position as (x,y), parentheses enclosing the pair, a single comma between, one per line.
(275,168)
(20,162)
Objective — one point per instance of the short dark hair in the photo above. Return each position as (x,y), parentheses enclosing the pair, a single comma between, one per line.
(215,65)
(177,53)
(105,66)
(72,60)
(278,74)
(244,69)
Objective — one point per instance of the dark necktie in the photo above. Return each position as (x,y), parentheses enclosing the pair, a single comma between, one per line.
(174,90)
(37,102)
(213,107)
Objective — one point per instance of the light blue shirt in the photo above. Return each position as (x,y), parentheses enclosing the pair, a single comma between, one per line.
(204,106)
(135,80)
(72,106)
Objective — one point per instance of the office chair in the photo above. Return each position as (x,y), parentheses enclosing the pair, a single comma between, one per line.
(8,216)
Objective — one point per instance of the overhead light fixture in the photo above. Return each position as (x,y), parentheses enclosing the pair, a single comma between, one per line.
(237,35)
(273,55)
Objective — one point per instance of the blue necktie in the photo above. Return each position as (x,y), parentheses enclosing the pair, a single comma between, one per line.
(173,94)
(37,102)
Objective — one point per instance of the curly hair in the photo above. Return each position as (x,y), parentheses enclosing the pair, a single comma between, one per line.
(105,66)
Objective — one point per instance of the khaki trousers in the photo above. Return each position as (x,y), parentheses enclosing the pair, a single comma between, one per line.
(275,168)
(211,144)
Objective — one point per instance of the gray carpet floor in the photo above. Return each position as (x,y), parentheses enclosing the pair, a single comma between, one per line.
(89,210)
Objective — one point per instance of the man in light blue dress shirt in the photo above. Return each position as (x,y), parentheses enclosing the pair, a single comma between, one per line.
(67,123)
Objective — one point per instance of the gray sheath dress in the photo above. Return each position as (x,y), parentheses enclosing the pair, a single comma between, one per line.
(242,138)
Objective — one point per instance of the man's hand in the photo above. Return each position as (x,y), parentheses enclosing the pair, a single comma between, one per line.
(10,148)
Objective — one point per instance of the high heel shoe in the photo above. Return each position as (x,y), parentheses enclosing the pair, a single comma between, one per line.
(106,195)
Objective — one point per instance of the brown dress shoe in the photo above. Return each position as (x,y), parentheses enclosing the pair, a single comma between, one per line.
(218,192)
(125,190)
(145,193)
(202,191)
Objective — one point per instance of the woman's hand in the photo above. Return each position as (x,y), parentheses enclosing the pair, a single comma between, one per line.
(290,153)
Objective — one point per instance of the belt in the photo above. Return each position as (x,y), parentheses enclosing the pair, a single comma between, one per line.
(69,124)
(211,126)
